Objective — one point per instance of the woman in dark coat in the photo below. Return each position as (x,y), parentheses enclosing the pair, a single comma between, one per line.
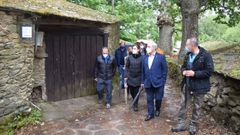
(133,71)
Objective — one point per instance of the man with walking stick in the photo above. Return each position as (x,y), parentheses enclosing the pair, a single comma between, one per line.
(196,69)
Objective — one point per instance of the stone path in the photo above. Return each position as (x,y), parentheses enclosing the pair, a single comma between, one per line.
(119,120)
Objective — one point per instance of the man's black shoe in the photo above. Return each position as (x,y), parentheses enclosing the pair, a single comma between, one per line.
(100,101)
(174,129)
(192,130)
(157,113)
(192,133)
(179,127)
(135,108)
(148,117)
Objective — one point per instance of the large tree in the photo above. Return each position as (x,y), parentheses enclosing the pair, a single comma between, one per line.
(166,27)
(190,10)
(228,12)
(138,17)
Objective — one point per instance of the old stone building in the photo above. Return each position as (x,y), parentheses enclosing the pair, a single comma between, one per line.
(50,46)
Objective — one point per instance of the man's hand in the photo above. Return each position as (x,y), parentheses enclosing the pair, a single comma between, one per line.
(184,72)
(189,73)
(142,85)
(125,83)
(95,79)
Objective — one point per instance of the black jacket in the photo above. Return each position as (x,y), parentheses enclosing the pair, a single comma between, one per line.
(203,68)
(120,54)
(133,70)
(103,70)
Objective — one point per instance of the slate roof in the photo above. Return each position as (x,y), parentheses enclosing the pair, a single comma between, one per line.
(61,8)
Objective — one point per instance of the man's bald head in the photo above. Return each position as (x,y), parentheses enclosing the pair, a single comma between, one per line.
(193,41)
(192,44)
(105,50)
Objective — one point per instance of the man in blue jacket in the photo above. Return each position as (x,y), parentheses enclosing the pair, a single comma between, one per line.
(153,79)
(120,55)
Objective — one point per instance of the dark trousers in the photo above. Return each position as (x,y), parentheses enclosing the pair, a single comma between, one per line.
(186,98)
(157,94)
(101,84)
(133,91)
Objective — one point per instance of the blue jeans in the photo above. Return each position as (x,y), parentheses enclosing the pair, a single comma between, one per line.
(152,93)
(101,84)
(121,70)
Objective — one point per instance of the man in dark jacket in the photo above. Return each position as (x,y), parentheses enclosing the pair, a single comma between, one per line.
(105,68)
(120,55)
(196,69)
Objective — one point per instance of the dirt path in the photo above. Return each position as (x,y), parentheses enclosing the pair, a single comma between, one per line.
(119,120)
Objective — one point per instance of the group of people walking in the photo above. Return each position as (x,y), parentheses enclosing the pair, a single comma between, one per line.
(140,66)
(143,66)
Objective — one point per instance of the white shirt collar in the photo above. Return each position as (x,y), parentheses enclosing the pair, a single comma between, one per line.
(152,55)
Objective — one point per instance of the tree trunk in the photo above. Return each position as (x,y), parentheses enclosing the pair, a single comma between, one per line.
(190,10)
(166,29)
(113,5)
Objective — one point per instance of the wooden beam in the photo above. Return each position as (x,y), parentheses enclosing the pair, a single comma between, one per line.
(56,20)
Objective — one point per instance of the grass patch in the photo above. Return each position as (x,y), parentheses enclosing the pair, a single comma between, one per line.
(174,71)
(235,73)
(218,46)
(20,120)
(218,67)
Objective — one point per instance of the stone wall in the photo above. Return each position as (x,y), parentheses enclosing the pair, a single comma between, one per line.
(22,69)
(113,38)
(16,67)
(223,101)
(39,91)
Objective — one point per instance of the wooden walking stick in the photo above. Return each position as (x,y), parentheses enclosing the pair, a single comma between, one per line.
(137,96)
(125,92)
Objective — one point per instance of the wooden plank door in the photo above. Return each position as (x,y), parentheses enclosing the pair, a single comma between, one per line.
(70,63)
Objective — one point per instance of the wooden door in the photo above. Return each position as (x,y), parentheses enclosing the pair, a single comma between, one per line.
(70,62)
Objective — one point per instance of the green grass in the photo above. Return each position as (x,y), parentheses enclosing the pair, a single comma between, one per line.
(218,45)
(19,121)
(235,73)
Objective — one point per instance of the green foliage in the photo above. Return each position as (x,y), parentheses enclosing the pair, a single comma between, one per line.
(209,30)
(20,120)
(227,11)
(101,5)
(232,34)
(138,19)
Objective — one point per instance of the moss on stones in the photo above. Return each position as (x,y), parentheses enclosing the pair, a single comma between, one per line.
(226,57)
(174,71)
(59,8)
